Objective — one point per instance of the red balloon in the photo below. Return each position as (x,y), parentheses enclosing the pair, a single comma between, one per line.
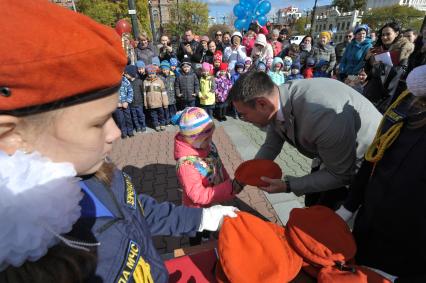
(123,26)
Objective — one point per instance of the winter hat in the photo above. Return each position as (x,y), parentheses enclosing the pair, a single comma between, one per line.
(253,250)
(140,64)
(239,65)
(131,70)
(151,69)
(326,34)
(204,38)
(90,47)
(310,62)
(277,60)
(206,67)
(195,125)
(217,56)
(261,66)
(165,65)
(288,61)
(237,33)
(173,62)
(248,61)
(296,65)
(186,61)
(416,81)
(223,66)
(261,40)
(361,27)
(156,61)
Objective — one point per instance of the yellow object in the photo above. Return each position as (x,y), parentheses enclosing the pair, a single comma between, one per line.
(383,141)
(142,272)
(326,34)
(207,96)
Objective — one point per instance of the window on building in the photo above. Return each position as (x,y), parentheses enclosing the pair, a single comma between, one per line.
(316,28)
(338,26)
(330,27)
(348,24)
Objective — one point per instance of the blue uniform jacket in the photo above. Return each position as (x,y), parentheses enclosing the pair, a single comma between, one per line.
(124,223)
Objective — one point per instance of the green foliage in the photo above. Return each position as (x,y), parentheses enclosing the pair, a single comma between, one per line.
(299,26)
(108,12)
(346,6)
(408,17)
(190,15)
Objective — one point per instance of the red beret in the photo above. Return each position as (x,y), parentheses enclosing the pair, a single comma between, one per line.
(253,250)
(52,54)
(223,66)
(250,171)
(320,236)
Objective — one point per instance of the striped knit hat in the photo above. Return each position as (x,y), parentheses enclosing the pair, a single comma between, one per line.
(195,125)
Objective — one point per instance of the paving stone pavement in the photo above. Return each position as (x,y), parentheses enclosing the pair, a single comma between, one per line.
(148,159)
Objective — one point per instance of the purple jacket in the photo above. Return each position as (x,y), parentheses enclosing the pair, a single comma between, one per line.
(223,85)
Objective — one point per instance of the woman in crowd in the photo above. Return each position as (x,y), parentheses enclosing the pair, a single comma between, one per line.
(144,50)
(202,49)
(418,57)
(353,57)
(324,51)
(383,78)
(262,51)
(389,190)
(208,58)
(305,49)
(234,53)
(276,45)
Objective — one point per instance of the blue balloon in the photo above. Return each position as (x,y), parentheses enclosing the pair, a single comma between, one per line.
(262,20)
(239,24)
(239,11)
(247,4)
(263,8)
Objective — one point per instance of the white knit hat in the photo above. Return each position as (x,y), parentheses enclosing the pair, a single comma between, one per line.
(416,81)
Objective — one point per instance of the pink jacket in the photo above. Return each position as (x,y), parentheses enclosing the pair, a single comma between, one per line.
(199,190)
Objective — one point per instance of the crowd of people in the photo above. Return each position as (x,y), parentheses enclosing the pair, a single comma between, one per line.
(199,71)
(67,214)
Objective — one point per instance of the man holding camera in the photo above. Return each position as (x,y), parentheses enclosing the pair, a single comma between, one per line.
(187,47)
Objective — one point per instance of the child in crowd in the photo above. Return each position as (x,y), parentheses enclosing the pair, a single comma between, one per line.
(122,114)
(276,73)
(141,69)
(359,82)
(136,106)
(217,60)
(295,72)
(247,64)
(238,70)
(308,72)
(261,66)
(207,89)
(199,169)
(174,67)
(169,84)
(223,85)
(156,62)
(187,86)
(320,70)
(287,66)
(155,98)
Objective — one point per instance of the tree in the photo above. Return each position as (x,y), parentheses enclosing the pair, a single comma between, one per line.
(346,6)
(192,15)
(108,12)
(407,17)
(299,26)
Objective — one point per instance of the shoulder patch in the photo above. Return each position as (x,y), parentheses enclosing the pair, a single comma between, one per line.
(130,262)
(129,192)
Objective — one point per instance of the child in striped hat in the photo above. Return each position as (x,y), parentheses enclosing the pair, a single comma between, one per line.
(200,171)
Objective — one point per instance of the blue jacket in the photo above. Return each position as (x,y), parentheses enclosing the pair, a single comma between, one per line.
(234,77)
(353,58)
(124,223)
(126,91)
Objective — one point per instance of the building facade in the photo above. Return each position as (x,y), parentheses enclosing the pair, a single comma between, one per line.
(331,19)
(287,16)
(417,4)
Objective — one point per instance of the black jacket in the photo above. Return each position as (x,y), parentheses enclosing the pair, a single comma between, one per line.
(186,85)
(390,227)
(181,52)
(137,86)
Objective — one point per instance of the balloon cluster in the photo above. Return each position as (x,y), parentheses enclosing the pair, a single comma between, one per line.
(248,11)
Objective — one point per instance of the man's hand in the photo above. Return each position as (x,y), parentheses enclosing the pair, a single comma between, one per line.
(188,49)
(275,185)
(125,105)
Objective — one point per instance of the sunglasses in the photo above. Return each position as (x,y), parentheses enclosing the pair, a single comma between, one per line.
(348,36)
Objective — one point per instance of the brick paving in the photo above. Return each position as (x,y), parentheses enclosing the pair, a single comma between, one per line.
(148,159)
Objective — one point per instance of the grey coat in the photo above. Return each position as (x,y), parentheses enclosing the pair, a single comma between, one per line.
(326,119)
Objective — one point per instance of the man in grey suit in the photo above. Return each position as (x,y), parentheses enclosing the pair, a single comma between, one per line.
(323,118)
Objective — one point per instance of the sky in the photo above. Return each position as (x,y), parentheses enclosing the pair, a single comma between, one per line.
(219,8)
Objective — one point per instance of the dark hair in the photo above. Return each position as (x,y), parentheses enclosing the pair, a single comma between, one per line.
(249,86)
(410,30)
(393,25)
(306,36)
(226,32)
(294,47)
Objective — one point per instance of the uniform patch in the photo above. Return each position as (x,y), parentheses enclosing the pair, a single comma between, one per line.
(130,194)
(129,265)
